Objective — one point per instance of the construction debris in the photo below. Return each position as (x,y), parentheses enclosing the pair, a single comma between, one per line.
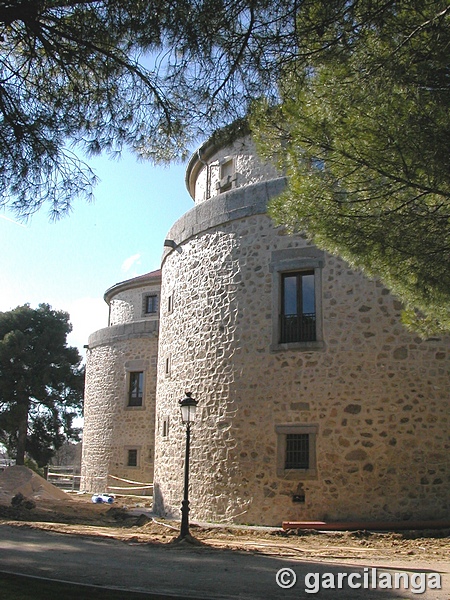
(22,480)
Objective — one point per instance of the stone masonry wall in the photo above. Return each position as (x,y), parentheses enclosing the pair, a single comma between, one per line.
(378,395)
(248,169)
(127,305)
(111,426)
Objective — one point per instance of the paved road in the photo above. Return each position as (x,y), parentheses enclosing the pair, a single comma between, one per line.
(193,572)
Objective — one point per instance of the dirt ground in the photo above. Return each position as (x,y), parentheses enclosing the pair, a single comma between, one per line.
(76,514)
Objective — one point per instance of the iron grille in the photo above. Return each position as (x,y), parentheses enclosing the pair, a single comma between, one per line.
(297,451)
(298,328)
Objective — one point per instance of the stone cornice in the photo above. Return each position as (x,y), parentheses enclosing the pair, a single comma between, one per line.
(229,206)
(122,332)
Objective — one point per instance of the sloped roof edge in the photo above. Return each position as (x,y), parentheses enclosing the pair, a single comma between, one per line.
(152,277)
(218,140)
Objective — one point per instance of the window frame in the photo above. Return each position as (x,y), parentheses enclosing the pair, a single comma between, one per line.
(155,302)
(128,454)
(170,303)
(296,260)
(226,181)
(165,427)
(282,431)
(304,331)
(168,365)
(129,380)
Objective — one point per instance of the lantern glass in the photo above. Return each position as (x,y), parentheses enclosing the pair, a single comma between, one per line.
(188,408)
(188,413)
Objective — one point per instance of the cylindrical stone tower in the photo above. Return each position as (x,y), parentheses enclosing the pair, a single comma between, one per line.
(314,401)
(119,406)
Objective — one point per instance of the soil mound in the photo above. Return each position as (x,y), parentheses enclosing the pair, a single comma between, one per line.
(19,479)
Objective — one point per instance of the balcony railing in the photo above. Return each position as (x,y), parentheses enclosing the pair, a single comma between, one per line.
(297,328)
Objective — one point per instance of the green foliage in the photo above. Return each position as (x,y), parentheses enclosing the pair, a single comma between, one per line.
(31,464)
(358,99)
(41,382)
(105,74)
(363,133)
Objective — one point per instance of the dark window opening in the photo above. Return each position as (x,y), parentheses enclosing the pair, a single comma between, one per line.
(297,451)
(132,458)
(151,304)
(136,389)
(298,312)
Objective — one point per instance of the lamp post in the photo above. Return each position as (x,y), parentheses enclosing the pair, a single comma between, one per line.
(188,407)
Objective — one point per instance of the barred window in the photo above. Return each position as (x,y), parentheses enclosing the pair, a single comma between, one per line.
(297,451)
(132,457)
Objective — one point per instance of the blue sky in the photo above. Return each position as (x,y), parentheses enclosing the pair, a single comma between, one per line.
(70,263)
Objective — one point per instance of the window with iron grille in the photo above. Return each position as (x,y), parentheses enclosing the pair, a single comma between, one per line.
(297,299)
(297,451)
(298,310)
(135,388)
(132,457)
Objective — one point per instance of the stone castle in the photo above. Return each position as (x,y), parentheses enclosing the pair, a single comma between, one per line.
(315,403)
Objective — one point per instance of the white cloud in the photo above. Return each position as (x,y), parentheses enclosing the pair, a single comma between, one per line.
(129,262)
(86,315)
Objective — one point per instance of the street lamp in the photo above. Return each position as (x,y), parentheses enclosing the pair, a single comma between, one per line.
(188,408)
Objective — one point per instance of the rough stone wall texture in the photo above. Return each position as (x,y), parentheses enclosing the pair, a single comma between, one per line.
(248,169)
(378,395)
(127,305)
(111,426)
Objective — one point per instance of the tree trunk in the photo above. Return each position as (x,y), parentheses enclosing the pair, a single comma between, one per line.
(22,432)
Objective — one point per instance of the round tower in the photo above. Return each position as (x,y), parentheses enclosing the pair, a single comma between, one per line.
(119,405)
(314,401)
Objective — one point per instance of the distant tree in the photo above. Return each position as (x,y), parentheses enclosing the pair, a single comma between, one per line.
(98,75)
(68,455)
(363,133)
(41,382)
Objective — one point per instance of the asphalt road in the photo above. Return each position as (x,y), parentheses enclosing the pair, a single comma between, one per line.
(185,571)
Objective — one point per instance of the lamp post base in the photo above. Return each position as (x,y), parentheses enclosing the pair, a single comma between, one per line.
(188,539)
(184,530)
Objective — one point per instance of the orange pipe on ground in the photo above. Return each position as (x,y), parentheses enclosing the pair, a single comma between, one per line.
(362,525)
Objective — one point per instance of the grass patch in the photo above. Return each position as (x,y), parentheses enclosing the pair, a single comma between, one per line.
(22,587)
